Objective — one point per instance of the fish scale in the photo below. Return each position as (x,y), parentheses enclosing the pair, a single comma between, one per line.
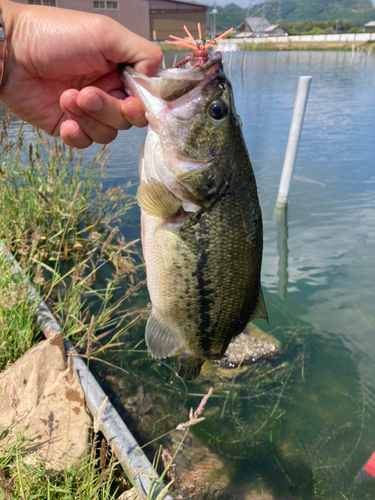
(201,219)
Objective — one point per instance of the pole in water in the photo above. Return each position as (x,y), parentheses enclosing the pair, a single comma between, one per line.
(163,63)
(174,61)
(293,141)
(230,60)
(243,52)
(281,217)
(369,52)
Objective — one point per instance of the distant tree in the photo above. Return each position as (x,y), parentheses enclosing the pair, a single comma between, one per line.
(329,26)
(316,31)
(303,15)
(356,30)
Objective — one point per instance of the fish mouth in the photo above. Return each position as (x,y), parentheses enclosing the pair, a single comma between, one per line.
(187,72)
(169,84)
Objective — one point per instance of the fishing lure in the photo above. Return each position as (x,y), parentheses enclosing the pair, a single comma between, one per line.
(200,53)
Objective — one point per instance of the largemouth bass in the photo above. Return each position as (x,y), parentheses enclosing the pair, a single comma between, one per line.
(200,215)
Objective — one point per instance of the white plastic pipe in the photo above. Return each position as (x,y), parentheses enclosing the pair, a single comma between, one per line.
(294,136)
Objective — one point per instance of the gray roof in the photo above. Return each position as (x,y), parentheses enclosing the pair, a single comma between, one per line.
(370,24)
(272,27)
(256,24)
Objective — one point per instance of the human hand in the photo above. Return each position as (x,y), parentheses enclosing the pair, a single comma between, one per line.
(61,72)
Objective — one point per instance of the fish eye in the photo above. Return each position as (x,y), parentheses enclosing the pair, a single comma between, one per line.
(218,110)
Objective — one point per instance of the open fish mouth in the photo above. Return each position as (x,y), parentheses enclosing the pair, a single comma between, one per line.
(169,84)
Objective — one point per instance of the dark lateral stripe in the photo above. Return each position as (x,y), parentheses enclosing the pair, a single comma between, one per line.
(204,285)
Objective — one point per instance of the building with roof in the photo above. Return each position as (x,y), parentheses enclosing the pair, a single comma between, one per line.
(168,17)
(369,27)
(152,19)
(259,26)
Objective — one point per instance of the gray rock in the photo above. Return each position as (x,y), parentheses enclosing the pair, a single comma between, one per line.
(245,350)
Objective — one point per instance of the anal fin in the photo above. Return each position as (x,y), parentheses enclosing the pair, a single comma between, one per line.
(190,367)
(260,311)
(155,199)
(159,340)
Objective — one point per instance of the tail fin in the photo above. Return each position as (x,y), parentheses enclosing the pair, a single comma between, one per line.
(190,367)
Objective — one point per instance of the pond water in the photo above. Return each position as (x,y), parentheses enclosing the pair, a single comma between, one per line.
(305,425)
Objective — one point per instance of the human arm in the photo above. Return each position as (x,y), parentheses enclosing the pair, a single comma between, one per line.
(61,72)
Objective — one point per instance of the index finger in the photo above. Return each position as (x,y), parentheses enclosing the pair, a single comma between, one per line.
(122,45)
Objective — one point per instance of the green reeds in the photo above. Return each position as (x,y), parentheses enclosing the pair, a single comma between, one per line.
(22,479)
(18,331)
(63,228)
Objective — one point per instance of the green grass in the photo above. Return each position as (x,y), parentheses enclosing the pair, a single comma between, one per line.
(96,477)
(18,331)
(294,46)
(63,228)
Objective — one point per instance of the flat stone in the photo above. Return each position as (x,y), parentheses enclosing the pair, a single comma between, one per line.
(40,391)
(246,350)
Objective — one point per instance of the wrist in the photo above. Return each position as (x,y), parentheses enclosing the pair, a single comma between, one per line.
(8,15)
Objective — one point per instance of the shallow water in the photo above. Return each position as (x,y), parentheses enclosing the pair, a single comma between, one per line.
(305,430)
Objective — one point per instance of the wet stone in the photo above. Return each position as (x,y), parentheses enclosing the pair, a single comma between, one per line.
(245,350)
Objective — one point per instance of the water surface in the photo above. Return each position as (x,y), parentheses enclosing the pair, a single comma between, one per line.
(304,430)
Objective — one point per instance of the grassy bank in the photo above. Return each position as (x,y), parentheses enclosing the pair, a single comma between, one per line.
(290,46)
(317,46)
(63,228)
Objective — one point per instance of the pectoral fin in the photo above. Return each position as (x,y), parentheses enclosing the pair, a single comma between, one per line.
(260,311)
(190,367)
(155,199)
(159,340)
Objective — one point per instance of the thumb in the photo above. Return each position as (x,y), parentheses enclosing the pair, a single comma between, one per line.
(122,45)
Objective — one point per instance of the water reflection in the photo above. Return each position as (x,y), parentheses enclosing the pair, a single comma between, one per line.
(281,218)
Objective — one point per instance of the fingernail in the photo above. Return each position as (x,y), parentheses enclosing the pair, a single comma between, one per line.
(72,106)
(132,110)
(93,102)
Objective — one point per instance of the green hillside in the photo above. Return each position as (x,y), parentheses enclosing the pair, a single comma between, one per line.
(358,11)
